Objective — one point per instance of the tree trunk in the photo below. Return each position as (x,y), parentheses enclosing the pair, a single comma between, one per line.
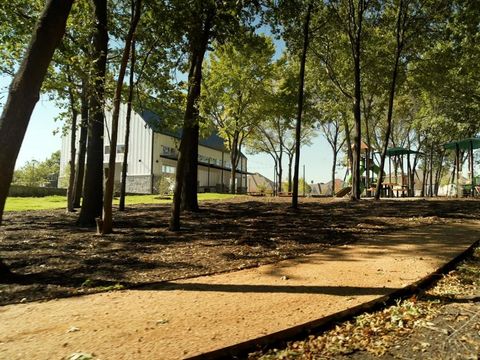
(424,177)
(430,191)
(298,127)
(25,88)
(334,167)
(187,163)
(233,160)
(357,114)
(290,162)
(73,150)
(107,226)
(349,144)
(393,85)
(82,146)
(123,185)
(24,93)
(93,186)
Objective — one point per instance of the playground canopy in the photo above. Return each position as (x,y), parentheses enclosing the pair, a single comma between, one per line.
(468,145)
(464,144)
(396,151)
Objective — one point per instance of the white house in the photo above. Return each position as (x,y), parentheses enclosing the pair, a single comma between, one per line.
(153,152)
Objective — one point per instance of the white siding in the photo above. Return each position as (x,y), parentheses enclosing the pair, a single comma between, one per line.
(140,142)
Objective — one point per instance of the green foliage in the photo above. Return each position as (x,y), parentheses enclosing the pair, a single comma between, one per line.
(35,173)
(33,191)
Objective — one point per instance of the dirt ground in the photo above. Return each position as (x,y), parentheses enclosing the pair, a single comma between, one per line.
(442,322)
(58,259)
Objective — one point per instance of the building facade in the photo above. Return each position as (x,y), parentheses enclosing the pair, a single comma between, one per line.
(152,157)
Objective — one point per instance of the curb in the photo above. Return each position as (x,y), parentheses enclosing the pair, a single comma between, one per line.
(241,350)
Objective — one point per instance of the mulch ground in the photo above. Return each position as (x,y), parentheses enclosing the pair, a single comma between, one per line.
(55,258)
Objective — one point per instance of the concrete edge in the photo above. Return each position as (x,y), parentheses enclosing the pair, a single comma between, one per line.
(241,350)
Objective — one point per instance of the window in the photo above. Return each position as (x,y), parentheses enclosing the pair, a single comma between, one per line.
(166,169)
(168,151)
(120,149)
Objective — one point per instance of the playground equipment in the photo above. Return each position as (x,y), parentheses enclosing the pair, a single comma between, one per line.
(468,145)
(369,172)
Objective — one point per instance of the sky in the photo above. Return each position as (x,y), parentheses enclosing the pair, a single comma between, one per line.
(43,137)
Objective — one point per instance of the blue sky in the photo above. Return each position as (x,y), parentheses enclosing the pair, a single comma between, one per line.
(43,138)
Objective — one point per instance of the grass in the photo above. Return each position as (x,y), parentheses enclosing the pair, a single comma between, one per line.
(58,202)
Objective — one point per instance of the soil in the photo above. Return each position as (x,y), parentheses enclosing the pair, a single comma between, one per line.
(55,258)
(393,243)
(441,322)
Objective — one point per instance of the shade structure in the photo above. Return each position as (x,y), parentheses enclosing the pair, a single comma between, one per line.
(463,144)
(467,145)
(395,151)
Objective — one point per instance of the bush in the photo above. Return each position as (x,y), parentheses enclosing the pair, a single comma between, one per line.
(33,191)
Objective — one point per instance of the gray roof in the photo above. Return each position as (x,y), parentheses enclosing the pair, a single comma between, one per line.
(154,121)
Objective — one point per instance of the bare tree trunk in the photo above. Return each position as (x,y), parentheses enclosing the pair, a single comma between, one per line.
(430,191)
(424,177)
(290,162)
(188,155)
(93,186)
(393,85)
(73,150)
(233,161)
(298,128)
(107,226)
(123,185)
(24,91)
(349,144)
(334,167)
(82,146)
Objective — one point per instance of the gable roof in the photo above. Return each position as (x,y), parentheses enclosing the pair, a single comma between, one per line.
(154,122)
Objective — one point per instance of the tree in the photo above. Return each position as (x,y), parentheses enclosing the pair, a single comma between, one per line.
(123,183)
(203,22)
(24,92)
(107,225)
(235,83)
(35,173)
(93,186)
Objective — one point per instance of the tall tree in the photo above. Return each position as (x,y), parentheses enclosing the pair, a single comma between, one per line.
(298,126)
(206,20)
(131,84)
(93,185)
(235,83)
(107,224)
(24,92)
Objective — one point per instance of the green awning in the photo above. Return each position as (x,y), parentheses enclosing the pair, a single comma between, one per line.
(463,144)
(400,151)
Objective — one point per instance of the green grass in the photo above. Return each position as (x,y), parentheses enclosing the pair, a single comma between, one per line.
(57,202)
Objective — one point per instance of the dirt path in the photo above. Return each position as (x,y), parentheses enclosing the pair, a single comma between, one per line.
(194,316)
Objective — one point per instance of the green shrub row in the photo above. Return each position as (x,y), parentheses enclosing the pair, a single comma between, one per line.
(33,191)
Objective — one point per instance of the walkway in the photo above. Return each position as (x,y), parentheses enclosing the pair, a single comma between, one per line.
(200,315)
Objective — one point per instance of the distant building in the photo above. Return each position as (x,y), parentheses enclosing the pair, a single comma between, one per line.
(153,153)
(257,183)
(325,189)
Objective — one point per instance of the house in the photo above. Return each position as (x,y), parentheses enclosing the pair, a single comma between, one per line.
(325,189)
(257,183)
(153,152)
